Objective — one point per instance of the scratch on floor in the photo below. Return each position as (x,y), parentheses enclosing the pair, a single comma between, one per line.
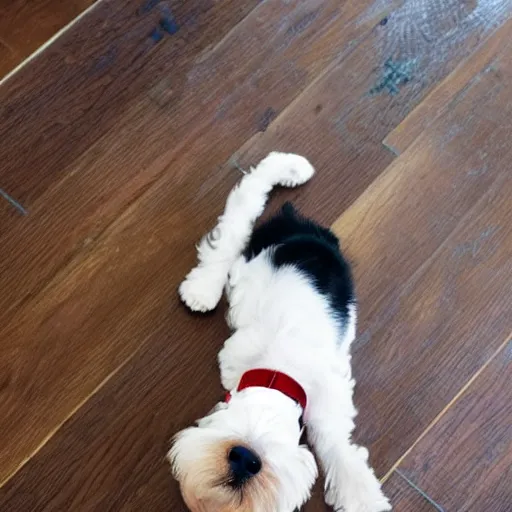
(13,202)
(473,247)
(417,489)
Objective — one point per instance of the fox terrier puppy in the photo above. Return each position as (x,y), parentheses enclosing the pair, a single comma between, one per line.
(292,310)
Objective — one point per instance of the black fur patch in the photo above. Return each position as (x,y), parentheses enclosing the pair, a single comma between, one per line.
(313,249)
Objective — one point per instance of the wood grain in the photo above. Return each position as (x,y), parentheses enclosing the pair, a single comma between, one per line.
(116,220)
(430,242)
(76,332)
(91,79)
(114,171)
(8,58)
(339,123)
(6,210)
(465,460)
(98,477)
(31,242)
(27,25)
(440,99)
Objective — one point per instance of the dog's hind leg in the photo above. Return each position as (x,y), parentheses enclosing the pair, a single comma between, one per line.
(350,483)
(217,252)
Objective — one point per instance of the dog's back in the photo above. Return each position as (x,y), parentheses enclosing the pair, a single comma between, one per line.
(314,250)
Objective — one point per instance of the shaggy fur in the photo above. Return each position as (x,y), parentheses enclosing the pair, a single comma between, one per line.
(292,309)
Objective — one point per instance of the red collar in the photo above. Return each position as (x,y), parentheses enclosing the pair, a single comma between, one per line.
(271,379)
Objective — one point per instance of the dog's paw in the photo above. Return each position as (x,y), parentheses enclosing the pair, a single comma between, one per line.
(379,505)
(358,491)
(286,169)
(200,291)
(354,501)
(229,375)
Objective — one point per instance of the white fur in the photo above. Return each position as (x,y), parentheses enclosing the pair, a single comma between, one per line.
(280,322)
(202,289)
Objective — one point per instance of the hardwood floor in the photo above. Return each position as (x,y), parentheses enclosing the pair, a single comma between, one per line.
(118,146)
(406,498)
(475,434)
(448,91)
(27,25)
(451,189)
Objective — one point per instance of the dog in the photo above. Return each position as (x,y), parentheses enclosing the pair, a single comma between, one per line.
(292,311)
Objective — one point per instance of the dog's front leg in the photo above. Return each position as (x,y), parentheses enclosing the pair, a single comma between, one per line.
(218,250)
(237,356)
(351,485)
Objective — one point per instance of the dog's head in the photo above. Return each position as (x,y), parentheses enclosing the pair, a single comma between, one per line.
(245,457)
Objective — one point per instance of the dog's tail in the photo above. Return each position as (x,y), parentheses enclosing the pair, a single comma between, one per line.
(218,251)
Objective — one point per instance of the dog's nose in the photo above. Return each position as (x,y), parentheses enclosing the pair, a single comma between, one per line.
(244,464)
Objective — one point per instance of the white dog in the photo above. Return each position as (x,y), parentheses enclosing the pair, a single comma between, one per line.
(293,314)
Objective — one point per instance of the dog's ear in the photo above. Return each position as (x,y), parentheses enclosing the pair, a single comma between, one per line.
(302,475)
(204,422)
(307,460)
(218,407)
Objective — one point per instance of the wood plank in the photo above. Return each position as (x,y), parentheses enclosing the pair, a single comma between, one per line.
(99,479)
(84,83)
(465,460)
(431,242)
(25,26)
(341,122)
(96,185)
(440,99)
(8,59)
(113,172)
(107,295)
(79,224)
(6,210)
(405,498)
(51,338)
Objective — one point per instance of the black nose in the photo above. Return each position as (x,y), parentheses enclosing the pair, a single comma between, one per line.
(244,464)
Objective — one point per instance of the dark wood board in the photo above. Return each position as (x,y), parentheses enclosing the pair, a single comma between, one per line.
(431,245)
(465,460)
(101,303)
(439,100)
(27,25)
(406,498)
(49,323)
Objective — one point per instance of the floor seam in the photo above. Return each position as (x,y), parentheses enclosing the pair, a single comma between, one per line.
(419,490)
(48,43)
(74,410)
(456,97)
(446,408)
(104,233)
